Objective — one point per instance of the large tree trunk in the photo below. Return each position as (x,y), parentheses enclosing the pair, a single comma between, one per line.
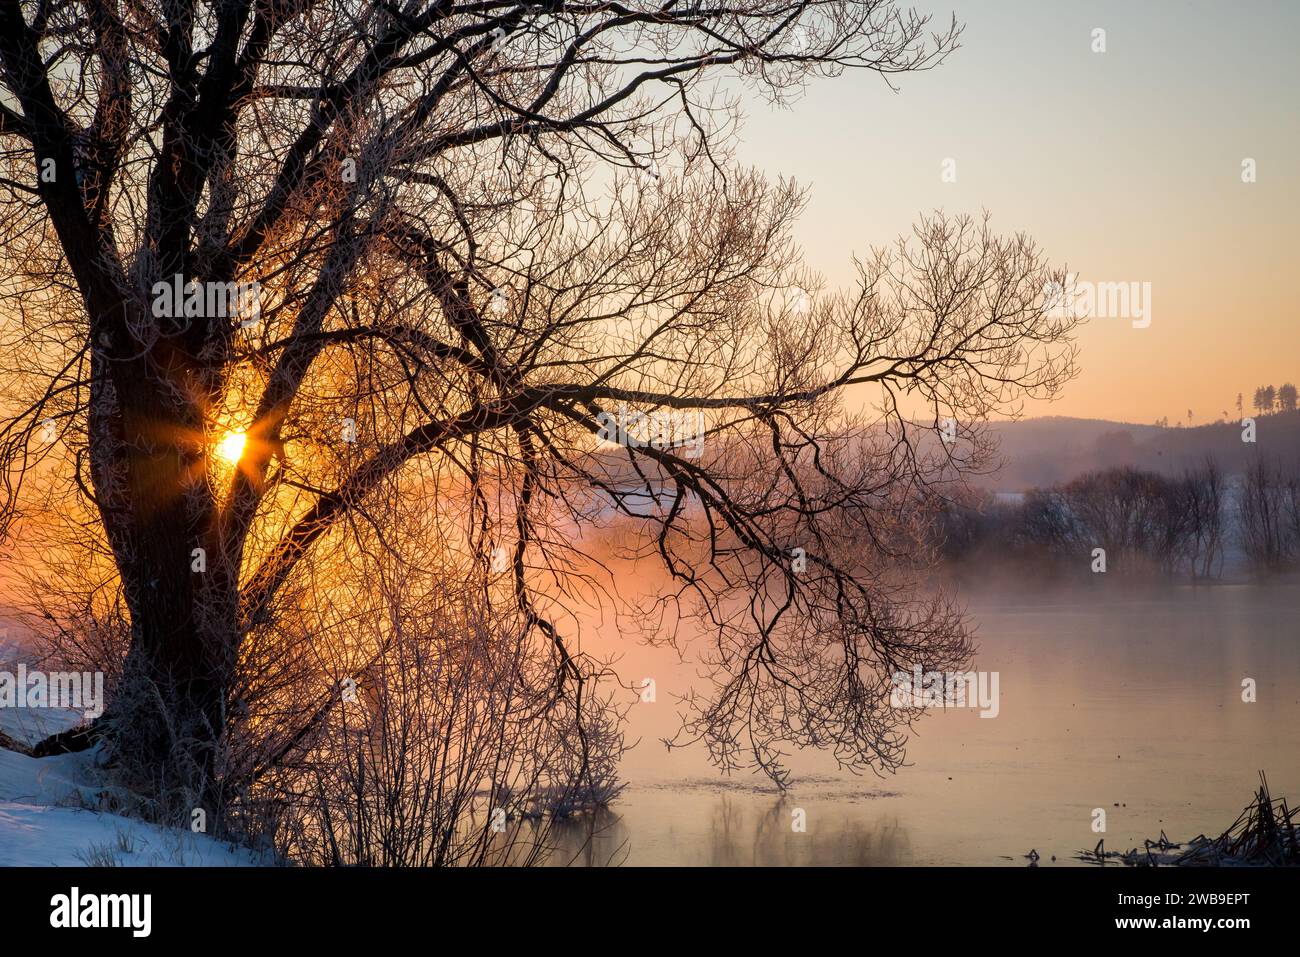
(150,464)
(169,713)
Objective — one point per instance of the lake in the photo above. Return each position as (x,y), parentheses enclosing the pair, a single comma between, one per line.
(1112,698)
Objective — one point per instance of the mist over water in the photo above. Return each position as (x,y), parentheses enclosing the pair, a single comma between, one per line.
(1111,696)
(1124,699)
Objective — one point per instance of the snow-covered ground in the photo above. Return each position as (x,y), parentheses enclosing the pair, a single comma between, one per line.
(27,726)
(48,816)
(34,835)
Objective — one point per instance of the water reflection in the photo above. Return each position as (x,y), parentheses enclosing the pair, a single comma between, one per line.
(1119,699)
(729,830)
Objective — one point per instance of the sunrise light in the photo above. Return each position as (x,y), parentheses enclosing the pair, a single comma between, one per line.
(231,446)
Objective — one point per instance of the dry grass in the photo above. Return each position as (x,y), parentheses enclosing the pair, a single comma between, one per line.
(1266,834)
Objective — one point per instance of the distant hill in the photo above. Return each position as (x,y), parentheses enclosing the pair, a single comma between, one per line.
(1055,449)
(1045,451)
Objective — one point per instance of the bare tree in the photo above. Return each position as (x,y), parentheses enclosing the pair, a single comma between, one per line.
(476,231)
(1262,508)
(1203,496)
(1140,518)
(1291,512)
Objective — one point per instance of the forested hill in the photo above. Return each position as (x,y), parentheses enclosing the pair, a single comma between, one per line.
(1054,449)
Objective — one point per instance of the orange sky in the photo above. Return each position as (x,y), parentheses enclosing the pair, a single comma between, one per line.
(1124,165)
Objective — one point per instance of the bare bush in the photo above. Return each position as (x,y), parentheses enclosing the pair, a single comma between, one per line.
(454,750)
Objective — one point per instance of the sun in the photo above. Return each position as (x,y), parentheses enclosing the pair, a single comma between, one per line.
(231,446)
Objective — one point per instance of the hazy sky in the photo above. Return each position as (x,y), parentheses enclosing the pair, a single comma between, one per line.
(1125,165)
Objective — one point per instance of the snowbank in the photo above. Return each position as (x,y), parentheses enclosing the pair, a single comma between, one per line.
(28,726)
(34,836)
(46,817)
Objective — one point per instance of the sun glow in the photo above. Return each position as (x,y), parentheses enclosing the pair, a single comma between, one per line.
(231,446)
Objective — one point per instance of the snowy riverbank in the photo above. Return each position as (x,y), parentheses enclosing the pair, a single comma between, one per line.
(48,813)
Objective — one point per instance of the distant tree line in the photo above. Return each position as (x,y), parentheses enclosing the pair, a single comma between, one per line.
(1148,524)
(1268,400)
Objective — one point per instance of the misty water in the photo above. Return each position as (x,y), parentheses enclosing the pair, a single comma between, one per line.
(1129,701)
(1110,697)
